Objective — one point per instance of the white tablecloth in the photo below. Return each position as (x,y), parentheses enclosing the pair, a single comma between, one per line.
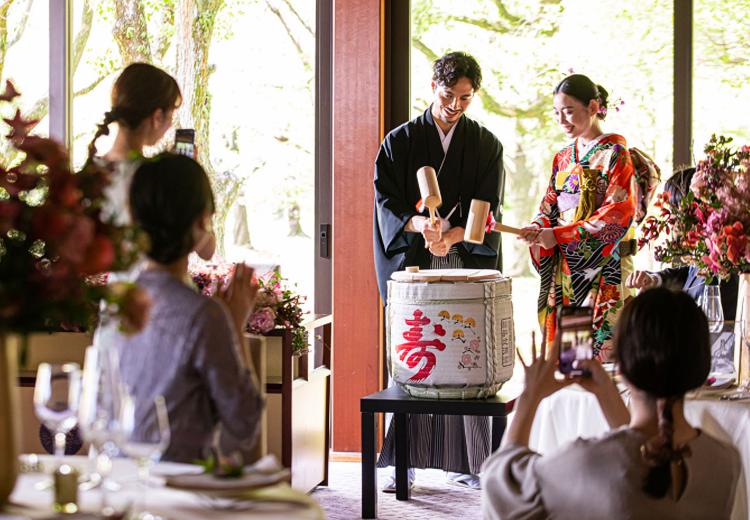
(573,412)
(29,502)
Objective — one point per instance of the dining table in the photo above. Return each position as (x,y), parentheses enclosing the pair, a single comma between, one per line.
(33,495)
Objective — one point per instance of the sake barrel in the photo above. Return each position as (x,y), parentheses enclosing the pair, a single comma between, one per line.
(450,332)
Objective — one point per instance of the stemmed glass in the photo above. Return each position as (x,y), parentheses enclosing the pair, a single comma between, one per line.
(711,305)
(99,414)
(56,396)
(146,436)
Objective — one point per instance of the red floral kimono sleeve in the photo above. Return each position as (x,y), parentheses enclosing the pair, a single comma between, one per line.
(547,216)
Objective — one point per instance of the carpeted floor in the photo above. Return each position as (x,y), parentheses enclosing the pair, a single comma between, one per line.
(431,497)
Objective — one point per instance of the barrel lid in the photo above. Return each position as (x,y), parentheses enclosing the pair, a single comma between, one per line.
(447,275)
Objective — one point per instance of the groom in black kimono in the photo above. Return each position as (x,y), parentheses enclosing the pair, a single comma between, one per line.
(468,160)
(471,168)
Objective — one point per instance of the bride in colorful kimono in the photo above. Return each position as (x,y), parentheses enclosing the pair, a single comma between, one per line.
(582,238)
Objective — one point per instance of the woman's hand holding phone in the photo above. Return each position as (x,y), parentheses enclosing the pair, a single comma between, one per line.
(601,385)
(598,381)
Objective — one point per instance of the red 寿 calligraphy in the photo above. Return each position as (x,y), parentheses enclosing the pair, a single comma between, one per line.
(415,351)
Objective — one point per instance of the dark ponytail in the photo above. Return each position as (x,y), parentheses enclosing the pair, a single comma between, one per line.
(664,460)
(584,90)
(138,91)
(662,346)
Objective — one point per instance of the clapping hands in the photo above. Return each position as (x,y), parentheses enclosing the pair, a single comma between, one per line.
(239,293)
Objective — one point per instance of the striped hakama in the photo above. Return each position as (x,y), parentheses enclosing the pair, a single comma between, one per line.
(453,443)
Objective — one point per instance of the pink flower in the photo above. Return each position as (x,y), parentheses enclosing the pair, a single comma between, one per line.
(698,184)
(716,220)
(267,298)
(466,360)
(262,321)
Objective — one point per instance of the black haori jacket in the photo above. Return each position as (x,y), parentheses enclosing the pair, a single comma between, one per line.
(473,169)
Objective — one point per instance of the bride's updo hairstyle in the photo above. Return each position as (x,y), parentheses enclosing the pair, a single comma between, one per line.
(662,346)
(584,90)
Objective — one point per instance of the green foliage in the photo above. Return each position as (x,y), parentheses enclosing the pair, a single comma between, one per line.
(227,470)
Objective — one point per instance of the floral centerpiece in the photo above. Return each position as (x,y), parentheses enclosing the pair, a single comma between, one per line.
(53,242)
(708,228)
(276,305)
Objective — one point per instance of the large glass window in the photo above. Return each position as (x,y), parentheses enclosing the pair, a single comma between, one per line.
(721,72)
(247,73)
(525,48)
(24,60)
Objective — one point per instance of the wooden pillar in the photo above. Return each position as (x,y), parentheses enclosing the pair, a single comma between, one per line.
(357,132)
(683,83)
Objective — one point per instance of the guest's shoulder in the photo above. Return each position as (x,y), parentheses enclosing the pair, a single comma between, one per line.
(608,447)
(717,449)
(210,318)
(170,292)
(212,310)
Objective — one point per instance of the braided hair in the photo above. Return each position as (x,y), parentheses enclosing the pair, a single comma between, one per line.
(662,346)
(139,90)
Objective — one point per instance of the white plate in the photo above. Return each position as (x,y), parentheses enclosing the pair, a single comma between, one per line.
(209,483)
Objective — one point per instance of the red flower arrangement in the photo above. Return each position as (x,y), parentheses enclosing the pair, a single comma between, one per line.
(709,227)
(276,306)
(52,239)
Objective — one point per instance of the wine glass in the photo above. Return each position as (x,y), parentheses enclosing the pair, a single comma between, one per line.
(56,397)
(99,415)
(711,305)
(146,436)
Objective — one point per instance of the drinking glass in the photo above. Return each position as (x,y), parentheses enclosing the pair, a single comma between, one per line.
(99,415)
(146,436)
(56,397)
(711,305)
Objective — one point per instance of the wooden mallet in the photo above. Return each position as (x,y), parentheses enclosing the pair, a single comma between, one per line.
(477,222)
(429,189)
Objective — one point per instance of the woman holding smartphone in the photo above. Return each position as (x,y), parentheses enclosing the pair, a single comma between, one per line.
(585,220)
(144,99)
(653,464)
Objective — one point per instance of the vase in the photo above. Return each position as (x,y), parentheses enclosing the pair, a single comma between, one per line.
(9,413)
(742,332)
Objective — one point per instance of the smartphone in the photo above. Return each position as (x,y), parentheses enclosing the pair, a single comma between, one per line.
(184,142)
(575,337)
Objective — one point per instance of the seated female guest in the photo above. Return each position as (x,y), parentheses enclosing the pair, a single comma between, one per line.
(654,464)
(189,350)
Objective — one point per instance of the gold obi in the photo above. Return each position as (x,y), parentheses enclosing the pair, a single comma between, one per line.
(580,180)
